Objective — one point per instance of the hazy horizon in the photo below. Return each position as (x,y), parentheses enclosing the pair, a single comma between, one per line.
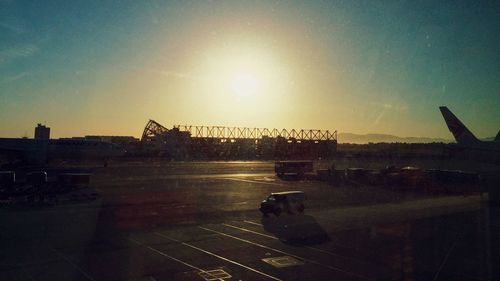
(92,68)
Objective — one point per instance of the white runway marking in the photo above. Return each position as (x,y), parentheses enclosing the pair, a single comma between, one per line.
(285,253)
(172,258)
(253,181)
(219,257)
(252,222)
(436,276)
(307,247)
(68,260)
(313,248)
(251,231)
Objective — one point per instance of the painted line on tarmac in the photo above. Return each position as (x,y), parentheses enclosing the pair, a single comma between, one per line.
(307,247)
(318,249)
(68,260)
(253,181)
(445,260)
(172,258)
(251,231)
(286,253)
(218,256)
(252,222)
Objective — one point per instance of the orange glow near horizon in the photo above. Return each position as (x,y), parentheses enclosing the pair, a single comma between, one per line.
(314,65)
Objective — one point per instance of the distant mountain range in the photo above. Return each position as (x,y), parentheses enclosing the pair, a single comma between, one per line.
(374,138)
(361,139)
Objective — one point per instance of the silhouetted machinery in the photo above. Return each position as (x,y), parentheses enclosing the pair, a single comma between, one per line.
(36,187)
(226,143)
(153,132)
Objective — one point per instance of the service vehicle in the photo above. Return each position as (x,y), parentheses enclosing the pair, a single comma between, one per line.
(293,167)
(291,202)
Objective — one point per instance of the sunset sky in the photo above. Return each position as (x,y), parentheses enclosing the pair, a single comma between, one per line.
(107,67)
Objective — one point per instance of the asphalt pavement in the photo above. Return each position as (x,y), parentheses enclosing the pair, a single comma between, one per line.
(181,221)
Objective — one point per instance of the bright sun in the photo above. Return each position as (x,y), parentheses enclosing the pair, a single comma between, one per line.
(244,84)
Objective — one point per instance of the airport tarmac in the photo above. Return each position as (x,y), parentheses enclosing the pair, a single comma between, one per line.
(200,221)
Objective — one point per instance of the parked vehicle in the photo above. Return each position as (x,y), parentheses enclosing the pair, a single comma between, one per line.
(290,202)
(293,167)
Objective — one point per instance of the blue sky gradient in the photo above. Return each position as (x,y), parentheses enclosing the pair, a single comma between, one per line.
(106,67)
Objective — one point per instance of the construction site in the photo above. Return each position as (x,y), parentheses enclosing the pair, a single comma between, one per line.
(184,142)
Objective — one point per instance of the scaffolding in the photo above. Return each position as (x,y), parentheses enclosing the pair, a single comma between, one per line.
(222,132)
(219,142)
(152,130)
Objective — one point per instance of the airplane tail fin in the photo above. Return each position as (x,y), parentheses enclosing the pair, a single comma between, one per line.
(460,132)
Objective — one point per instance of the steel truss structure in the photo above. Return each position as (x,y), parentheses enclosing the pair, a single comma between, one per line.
(152,130)
(221,132)
(218,142)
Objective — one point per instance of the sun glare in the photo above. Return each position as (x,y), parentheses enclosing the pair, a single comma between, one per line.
(241,79)
(244,84)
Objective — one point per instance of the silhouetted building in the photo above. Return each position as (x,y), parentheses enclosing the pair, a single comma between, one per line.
(218,142)
(42,132)
(119,140)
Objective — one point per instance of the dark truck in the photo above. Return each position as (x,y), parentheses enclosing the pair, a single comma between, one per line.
(288,201)
(293,167)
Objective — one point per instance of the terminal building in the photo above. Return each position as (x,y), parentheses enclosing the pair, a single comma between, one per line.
(42,132)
